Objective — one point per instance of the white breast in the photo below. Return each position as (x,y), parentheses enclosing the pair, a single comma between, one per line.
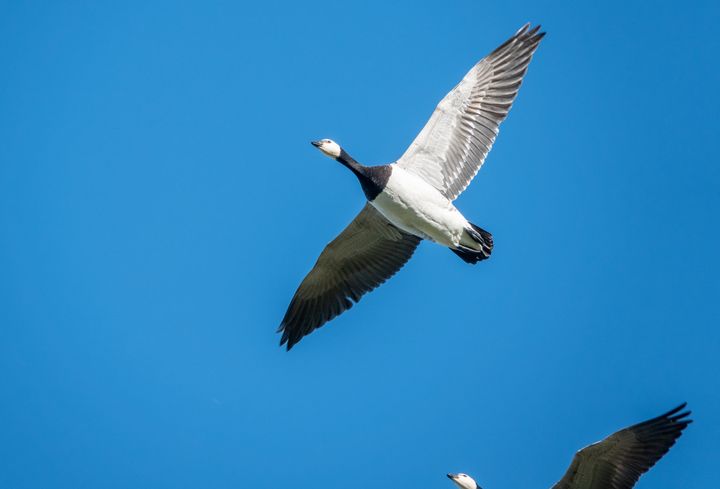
(418,208)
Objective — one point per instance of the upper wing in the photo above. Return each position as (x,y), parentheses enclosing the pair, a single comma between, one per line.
(619,460)
(368,252)
(453,145)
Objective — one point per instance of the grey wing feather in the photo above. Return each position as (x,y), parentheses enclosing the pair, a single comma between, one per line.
(453,145)
(368,251)
(618,461)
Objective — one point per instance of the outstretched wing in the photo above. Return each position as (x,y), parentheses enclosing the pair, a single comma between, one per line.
(619,460)
(453,145)
(368,252)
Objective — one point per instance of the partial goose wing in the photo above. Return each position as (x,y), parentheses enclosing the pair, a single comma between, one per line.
(619,460)
(368,252)
(453,145)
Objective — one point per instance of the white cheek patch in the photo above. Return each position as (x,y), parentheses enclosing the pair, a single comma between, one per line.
(331,149)
(465,482)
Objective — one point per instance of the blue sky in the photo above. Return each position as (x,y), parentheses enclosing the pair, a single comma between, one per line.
(159,203)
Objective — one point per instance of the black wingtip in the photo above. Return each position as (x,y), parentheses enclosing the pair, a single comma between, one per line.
(285,339)
(534,34)
(524,36)
(673,413)
(676,417)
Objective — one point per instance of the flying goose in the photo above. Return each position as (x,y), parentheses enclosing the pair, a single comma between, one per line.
(618,461)
(412,198)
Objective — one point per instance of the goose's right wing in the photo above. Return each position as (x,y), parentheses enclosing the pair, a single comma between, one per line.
(453,145)
(619,460)
(368,252)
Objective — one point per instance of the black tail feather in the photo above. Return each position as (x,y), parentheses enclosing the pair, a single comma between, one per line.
(480,236)
(468,255)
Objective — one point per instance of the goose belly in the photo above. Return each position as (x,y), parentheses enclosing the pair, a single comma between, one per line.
(418,208)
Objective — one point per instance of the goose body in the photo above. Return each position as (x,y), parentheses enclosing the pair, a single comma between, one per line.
(618,461)
(411,199)
(418,208)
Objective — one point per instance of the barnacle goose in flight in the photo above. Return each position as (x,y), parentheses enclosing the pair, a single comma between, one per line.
(411,199)
(618,461)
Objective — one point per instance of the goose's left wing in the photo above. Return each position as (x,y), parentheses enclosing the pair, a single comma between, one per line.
(619,460)
(453,145)
(368,252)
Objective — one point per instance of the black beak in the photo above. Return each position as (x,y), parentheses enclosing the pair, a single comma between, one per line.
(451,476)
(316,143)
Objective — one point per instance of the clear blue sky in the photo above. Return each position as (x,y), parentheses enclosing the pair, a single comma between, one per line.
(159,204)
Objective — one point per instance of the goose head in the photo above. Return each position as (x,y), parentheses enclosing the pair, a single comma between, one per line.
(328,147)
(463,481)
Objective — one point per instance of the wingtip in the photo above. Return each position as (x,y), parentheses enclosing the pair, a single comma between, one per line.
(535,34)
(528,31)
(287,340)
(677,410)
(284,338)
(523,29)
(678,415)
(524,36)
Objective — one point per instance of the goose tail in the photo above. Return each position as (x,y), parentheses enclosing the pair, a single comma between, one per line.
(480,237)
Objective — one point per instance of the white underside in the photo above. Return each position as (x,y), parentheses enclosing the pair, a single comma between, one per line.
(418,208)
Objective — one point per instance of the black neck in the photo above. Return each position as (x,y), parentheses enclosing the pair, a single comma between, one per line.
(350,162)
(372,178)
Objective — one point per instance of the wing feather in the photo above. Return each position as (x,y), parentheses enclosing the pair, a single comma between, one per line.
(368,252)
(618,461)
(454,143)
